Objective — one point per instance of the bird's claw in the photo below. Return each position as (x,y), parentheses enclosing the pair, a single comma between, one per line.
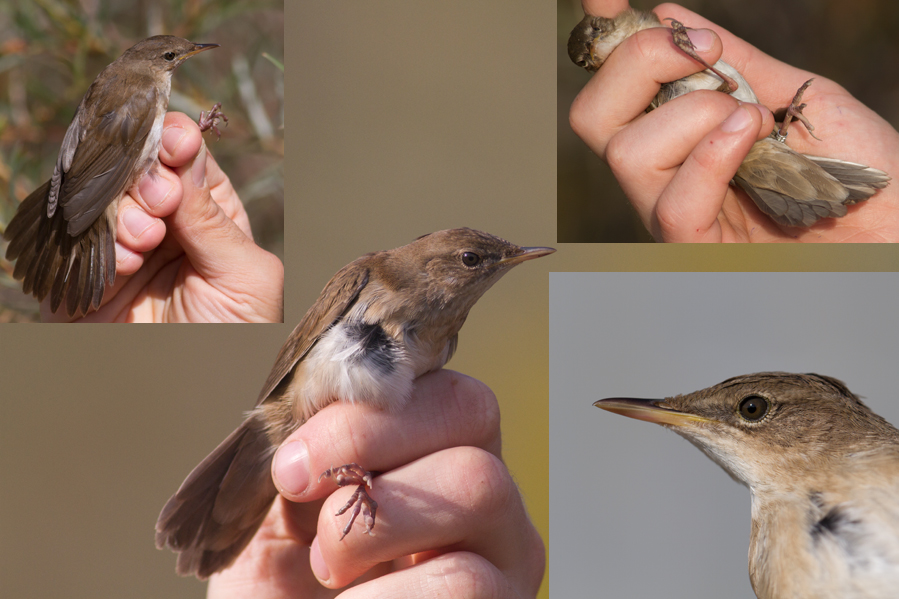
(682,41)
(209,120)
(794,111)
(361,501)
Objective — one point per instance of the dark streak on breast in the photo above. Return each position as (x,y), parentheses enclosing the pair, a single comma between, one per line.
(378,349)
(836,526)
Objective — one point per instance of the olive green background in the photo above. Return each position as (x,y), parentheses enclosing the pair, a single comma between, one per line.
(400,119)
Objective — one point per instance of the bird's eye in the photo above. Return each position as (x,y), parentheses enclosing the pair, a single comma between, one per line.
(753,408)
(470,259)
(169,56)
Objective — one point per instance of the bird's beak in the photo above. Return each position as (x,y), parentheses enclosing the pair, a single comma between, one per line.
(199,48)
(526,254)
(650,410)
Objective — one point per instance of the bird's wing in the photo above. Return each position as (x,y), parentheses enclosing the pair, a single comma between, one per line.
(341,292)
(100,148)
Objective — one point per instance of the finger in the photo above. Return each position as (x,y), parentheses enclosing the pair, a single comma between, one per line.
(214,243)
(645,155)
(137,230)
(457,575)
(604,8)
(181,140)
(274,564)
(460,499)
(630,79)
(688,209)
(773,81)
(447,409)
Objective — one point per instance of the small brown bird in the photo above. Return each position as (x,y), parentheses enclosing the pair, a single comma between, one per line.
(793,189)
(380,322)
(822,470)
(63,234)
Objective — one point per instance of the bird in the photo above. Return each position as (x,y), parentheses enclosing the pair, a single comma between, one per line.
(62,236)
(793,189)
(380,322)
(823,474)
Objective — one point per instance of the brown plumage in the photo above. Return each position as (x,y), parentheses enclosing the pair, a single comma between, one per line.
(793,189)
(63,234)
(379,323)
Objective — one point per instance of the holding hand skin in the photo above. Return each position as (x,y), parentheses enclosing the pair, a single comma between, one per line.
(184,249)
(676,162)
(473,538)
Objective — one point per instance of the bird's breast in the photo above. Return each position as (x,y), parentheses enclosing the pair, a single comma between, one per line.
(150,151)
(354,361)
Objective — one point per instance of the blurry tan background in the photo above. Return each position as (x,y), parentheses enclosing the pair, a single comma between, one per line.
(51,51)
(854,43)
(401,119)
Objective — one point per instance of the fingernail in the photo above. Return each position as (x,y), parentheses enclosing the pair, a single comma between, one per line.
(702,39)
(122,254)
(171,138)
(291,469)
(317,562)
(154,189)
(763,110)
(198,168)
(137,221)
(738,120)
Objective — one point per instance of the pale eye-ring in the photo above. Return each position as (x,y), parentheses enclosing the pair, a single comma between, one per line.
(169,56)
(470,259)
(753,408)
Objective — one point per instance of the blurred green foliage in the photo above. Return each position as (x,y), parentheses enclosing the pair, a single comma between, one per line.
(51,50)
(853,42)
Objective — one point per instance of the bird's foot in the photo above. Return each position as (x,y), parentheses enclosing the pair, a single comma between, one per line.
(794,111)
(209,120)
(361,501)
(682,41)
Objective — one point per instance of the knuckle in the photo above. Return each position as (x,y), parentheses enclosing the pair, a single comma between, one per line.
(619,156)
(486,485)
(477,408)
(465,576)
(580,115)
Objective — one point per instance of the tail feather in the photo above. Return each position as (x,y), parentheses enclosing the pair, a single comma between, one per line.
(49,261)
(861,181)
(221,504)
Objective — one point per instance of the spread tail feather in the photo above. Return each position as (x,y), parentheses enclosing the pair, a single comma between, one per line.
(221,504)
(49,261)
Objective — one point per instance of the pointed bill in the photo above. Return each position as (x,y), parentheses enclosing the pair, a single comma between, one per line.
(527,254)
(650,410)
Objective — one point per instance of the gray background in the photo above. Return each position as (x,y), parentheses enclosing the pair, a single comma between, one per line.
(635,510)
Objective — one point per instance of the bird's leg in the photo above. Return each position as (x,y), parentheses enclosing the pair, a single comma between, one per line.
(794,111)
(353,474)
(209,120)
(682,41)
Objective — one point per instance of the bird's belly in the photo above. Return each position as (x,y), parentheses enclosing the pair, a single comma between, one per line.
(705,80)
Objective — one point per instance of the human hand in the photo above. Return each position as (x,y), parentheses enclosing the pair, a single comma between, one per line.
(184,249)
(676,162)
(450,519)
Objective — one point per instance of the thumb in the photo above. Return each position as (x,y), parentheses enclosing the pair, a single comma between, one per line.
(213,243)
